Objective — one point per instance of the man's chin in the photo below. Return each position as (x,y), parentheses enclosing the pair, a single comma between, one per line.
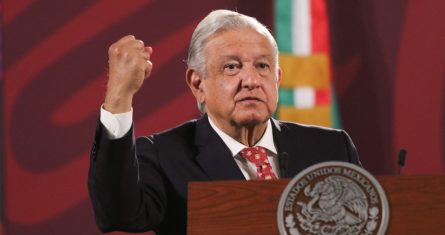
(251,120)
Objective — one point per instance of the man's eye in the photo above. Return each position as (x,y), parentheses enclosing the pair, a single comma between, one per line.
(263,65)
(231,69)
(230,66)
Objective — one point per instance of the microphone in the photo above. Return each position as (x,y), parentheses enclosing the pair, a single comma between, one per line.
(401,161)
(283,161)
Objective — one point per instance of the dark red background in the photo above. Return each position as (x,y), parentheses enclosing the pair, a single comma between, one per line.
(388,67)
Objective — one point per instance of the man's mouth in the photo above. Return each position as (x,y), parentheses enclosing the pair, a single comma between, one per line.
(250,99)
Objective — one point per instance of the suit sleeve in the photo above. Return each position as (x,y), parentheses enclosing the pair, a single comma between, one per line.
(350,149)
(120,200)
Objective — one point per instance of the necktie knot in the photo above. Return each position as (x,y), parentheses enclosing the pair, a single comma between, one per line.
(258,156)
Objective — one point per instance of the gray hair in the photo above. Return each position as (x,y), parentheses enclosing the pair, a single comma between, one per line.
(217,21)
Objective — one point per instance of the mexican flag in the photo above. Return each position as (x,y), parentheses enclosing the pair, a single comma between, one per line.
(306,94)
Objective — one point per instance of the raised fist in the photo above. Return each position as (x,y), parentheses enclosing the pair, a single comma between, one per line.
(129,64)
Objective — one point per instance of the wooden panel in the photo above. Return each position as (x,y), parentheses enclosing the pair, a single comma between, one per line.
(238,207)
(417,204)
(234,207)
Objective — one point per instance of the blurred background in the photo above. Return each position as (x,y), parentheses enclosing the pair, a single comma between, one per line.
(382,80)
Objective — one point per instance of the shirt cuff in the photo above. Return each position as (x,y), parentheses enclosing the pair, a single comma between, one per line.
(116,125)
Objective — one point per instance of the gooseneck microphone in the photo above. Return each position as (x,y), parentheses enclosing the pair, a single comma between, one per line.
(283,159)
(401,161)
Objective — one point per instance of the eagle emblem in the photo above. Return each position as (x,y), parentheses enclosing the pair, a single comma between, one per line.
(333,201)
(337,206)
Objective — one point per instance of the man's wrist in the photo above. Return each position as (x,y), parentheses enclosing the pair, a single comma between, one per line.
(118,104)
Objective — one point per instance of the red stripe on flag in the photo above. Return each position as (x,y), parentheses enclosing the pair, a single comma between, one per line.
(319,26)
(323,97)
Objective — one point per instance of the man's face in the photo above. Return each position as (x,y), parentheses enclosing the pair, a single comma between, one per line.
(241,83)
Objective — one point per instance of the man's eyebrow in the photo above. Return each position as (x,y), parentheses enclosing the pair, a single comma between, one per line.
(235,57)
(265,56)
(230,57)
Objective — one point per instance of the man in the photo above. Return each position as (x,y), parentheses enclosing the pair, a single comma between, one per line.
(233,72)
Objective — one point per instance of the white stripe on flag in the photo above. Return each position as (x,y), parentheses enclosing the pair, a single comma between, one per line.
(304,97)
(301,27)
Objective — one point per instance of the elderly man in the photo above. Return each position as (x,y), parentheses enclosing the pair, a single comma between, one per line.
(233,72)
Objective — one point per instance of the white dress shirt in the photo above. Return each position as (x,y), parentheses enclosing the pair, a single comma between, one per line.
(117,125)
(249,169)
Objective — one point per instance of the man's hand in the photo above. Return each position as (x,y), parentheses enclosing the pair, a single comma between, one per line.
(129,64)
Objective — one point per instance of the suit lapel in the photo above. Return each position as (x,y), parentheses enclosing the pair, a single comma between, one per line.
(289,150)
(214,156)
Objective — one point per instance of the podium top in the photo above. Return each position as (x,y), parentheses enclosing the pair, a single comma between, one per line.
(417,205)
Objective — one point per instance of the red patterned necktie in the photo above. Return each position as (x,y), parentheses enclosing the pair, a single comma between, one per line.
(258,156)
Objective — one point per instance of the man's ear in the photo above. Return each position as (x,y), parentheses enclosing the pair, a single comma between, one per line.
(194,81)
(279,77)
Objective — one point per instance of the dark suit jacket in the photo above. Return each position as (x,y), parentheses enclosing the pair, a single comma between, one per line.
(141,185)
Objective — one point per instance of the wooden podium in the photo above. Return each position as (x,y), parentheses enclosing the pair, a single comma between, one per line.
(417,206)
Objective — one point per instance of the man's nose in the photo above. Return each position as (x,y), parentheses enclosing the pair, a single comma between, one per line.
(249,77)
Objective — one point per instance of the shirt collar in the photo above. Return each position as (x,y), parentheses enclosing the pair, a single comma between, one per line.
(235,147)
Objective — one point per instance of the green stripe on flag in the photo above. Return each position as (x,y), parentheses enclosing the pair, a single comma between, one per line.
(336,120)
(283,25)
(286,97)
